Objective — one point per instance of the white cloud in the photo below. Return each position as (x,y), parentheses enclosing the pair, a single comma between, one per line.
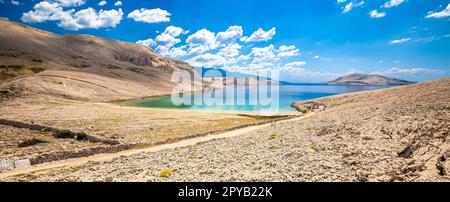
(376,14)
(201,41)
(15,3)
(231,35)
(392,3)
(341,1)
(265,54)
(146,42)
(102,3)
(288,51)
(348,7)
(441,14)
(118,3)
(175,31)
(170,36)
(398,41)
(260,35)
(207,60)
(71,19)
(165,41)
(177,53)
(173,53)
(68,3)
(150,15)
(226,56)
(230,51)
(295,64)
(409,71)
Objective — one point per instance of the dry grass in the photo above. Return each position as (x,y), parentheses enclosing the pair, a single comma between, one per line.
(125,124)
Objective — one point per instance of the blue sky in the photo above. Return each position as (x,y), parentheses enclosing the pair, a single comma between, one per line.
(308,41)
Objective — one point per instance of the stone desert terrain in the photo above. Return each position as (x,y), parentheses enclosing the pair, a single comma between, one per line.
(398,134)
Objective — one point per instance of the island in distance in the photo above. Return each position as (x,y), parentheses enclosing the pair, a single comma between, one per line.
(368,79)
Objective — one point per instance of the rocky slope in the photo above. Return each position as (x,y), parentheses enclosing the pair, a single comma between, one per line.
(396,134)
(368,79)
(79,67)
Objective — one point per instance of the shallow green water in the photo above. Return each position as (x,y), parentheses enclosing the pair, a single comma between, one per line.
(280,102)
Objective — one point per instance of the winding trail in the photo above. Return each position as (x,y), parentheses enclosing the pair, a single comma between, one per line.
(105,157)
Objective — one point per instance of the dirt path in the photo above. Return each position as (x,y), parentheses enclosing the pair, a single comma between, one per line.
(105,157)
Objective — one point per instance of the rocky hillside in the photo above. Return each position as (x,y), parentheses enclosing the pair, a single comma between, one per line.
(79,67)
(368,79)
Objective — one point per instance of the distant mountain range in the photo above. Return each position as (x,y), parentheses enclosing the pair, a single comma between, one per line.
(368,79)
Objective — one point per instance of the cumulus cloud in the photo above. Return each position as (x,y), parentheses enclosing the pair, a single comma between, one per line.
(118,3)
(177,52)
(68,3)
(376,14)
(392,3)
(166,41)
(102,3)
(398,41)
(207,60)
(260,35)
(170,36)
(146,42)
(71,19)
(229,55)
(231,35)
(265,54)
(202,41)
(348,7)
(230,51)
(441,14)
(173,53)
(288,51)
(150,15)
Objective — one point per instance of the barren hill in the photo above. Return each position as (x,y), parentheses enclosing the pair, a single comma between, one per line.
(370,79)
(79,67)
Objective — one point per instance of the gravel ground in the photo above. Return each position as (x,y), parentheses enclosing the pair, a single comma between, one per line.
(398,134)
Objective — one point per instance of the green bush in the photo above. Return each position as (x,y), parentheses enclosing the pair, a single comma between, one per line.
(31,142)
(80,136)
(64,134)
(69,134)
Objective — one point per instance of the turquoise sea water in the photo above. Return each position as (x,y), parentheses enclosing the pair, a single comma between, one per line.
(249,101)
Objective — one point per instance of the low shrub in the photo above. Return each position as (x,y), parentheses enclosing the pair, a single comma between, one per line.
(273,136)
(166,173)
(314,147)
(31,142)
(69,134)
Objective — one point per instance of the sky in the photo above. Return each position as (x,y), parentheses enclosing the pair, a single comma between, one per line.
(307,41)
